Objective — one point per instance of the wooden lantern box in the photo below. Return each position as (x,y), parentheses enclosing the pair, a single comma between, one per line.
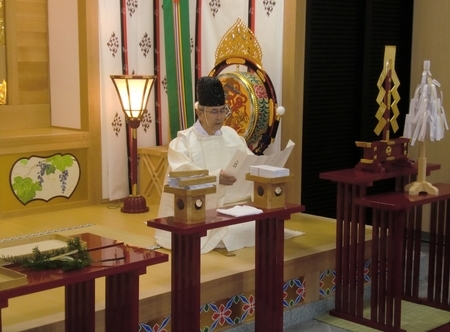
(189,197)
(269,193)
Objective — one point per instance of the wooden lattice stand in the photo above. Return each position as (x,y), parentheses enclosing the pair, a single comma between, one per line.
(152,170)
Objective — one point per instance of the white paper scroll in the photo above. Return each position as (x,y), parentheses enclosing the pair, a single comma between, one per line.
(426,117)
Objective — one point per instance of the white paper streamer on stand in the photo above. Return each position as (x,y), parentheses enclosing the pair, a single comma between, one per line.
(426,119)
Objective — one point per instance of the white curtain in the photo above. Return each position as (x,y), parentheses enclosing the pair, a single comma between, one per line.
(142,50)
(139,60)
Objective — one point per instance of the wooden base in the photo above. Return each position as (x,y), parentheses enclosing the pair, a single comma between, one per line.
(381,156)
(134,204)
(421,185)
(269,193)
(417,187)
(189,205)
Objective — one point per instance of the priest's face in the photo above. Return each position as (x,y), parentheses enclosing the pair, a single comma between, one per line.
(212,117)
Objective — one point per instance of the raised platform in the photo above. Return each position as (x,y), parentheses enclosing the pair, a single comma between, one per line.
(309,259)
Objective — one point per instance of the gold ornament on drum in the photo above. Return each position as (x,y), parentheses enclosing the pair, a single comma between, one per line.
(249,94)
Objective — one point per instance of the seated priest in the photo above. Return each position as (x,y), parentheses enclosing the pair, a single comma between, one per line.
(209,145)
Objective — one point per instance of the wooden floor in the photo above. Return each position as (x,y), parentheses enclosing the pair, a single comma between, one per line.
(222,276)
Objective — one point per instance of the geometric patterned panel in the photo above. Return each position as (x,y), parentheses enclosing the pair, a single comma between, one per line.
(219,315)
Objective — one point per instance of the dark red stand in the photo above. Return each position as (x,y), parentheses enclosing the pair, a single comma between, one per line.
(122,285)
(269,252)
(390,245)
(398,208)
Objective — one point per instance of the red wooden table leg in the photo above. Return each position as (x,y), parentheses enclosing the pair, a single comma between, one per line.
(80,306)
(398,277)
(388,269)
(3,304)
(122,301)
(339,247)
(374,287)
(185,295)
(269,281)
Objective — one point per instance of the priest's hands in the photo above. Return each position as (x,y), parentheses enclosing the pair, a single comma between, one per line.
(226,178)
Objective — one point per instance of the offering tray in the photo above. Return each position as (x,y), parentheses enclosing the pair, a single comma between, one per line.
(23,247)
(9,279)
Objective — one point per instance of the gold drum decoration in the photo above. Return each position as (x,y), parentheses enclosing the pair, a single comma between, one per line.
(248,100)
(248,91)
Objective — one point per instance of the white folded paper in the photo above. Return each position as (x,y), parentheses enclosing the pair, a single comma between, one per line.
(268,171)
(289,233)
(240,210)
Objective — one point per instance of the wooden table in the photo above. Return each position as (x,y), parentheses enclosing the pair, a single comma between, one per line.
(396,250)
(269,265)
(122,273)
(352,186)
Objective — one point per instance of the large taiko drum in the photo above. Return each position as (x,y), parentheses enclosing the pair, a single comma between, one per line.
(251,111)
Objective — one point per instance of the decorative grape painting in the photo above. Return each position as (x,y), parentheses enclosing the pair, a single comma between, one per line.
(44,178)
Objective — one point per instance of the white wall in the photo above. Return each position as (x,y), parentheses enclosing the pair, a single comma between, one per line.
(64,64)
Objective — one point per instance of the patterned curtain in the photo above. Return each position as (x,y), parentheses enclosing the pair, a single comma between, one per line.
(133,39)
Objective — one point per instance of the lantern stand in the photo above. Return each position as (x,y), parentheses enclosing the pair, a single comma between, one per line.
(134,92)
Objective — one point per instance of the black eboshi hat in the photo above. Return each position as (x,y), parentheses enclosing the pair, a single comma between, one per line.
(210,92)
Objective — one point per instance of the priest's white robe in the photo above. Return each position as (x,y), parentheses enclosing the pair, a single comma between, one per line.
(193,149)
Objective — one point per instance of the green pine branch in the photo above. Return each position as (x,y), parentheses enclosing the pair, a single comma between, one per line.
(71,257)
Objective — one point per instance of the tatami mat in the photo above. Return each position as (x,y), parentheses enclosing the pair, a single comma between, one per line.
(415,318)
